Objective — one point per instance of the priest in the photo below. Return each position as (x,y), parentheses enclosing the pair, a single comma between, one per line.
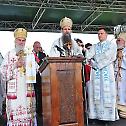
(18,71)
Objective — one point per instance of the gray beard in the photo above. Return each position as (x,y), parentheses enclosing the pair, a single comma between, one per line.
(18,48)
(66,38)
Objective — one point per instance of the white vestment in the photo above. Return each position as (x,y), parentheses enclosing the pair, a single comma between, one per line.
(121,85)
(20,96)
(54,52)
(102,87)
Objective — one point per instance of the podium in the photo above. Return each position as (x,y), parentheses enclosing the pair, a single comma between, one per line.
(62,98)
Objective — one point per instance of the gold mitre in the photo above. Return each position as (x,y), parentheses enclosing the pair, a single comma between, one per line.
(123,36)
(20,33)
(66,22)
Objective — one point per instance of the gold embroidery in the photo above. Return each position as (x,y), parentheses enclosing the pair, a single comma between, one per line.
(30,77)
(30,64)
(21,55)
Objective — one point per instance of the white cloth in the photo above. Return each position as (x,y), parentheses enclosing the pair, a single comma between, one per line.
(30,68)
(55,53)
(102,86)
(20,98)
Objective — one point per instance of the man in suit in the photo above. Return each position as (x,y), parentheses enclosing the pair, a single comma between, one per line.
(38,52)
(39,55)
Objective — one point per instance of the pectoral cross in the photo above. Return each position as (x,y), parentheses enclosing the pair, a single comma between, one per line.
(13,60)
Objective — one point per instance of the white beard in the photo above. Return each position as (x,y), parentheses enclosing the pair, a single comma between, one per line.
(18,48)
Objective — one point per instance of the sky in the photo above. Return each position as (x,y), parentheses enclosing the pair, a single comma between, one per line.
(45,38)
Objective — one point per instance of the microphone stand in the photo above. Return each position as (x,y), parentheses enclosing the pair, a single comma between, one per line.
(85,89)
(60,50)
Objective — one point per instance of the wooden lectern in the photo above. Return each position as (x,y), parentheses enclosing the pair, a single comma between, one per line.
(62,98)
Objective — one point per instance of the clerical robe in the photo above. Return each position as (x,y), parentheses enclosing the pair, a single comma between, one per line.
(121,84)
(102,86)
(20,96)
(54,52)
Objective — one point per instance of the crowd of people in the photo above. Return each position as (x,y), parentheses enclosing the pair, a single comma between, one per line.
(105,70)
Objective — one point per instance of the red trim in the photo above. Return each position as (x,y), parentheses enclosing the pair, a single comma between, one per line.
(31,94)
(87,72)
(11,97)
(36,57)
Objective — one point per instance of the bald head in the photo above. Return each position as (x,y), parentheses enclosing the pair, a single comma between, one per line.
(37,46)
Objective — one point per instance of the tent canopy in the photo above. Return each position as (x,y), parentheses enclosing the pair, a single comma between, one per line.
(45,15)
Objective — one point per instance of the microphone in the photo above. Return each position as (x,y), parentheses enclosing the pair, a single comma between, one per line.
(79,42)
(59,49)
